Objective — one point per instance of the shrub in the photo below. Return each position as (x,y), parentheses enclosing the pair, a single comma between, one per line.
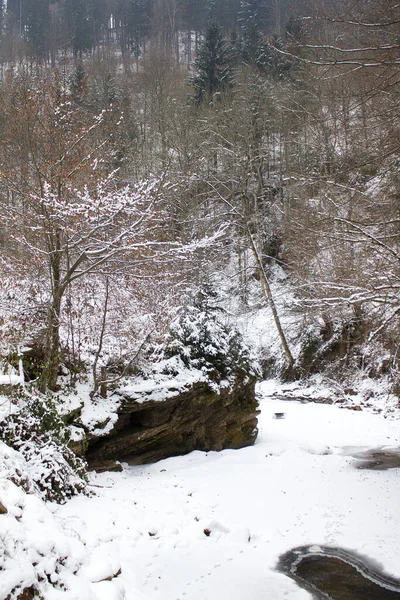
(38,432)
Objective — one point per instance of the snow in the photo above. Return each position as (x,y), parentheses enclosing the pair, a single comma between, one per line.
(97,415)
(254,319)
(162,386)
(6,406)
(100,416)
(10,379)
(9,375)
(361,392)
(143,535)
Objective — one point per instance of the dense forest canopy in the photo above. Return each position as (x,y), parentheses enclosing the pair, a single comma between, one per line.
(46,28)
(134,132)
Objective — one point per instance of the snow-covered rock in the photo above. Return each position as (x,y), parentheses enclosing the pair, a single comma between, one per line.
(168,419)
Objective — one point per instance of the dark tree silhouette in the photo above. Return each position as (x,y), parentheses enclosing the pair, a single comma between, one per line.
(213,65)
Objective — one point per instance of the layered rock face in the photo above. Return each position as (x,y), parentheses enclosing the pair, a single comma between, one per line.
(200,417)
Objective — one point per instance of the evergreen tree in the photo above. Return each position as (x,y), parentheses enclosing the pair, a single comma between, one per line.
(224,13)
(79,21)
(235,44)
(100,14)
(194,14)
(271,61)
(32,18)
(133,20)
(36,27)
(139,23)
(252,50)
(253,12)
(213,65)
(14,14)
(79,83)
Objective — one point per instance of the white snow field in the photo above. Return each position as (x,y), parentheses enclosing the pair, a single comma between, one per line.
(211,526)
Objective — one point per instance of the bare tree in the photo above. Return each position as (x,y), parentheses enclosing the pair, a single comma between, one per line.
(60,210)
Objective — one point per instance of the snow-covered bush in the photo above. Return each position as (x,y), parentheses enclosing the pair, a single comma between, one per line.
(38,433)
(38,557)
(202,342)
(332,345)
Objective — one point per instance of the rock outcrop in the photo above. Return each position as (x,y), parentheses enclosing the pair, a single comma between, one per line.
(202,416)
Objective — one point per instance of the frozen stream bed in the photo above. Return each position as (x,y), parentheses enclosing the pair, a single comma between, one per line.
(211,526)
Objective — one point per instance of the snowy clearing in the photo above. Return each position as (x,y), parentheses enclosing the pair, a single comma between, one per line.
(211,526)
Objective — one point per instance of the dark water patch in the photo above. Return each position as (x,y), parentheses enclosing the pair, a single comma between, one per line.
(337,574)
(378,459)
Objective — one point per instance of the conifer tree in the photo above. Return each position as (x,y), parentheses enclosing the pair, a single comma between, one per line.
(252,50)
(271,61)
(138,23)
(79,82)
(253,12)
(213,65)
(37,27)
(101,11)
(194,14)
(80,25)
(32,19)
(224,13)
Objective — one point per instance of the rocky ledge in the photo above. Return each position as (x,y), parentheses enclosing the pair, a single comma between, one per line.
(170,422)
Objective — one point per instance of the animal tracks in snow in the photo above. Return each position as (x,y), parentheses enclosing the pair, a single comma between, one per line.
(232,557)
(295,486)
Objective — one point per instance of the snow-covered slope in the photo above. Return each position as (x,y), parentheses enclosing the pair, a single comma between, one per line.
(211,526)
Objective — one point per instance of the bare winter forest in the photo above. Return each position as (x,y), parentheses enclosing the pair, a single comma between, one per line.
(147,144)
(195,195)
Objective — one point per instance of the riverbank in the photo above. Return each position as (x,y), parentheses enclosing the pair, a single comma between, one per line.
(213,525)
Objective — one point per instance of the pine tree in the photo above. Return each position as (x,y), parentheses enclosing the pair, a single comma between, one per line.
(80,25)
(133,19)
(194,14)
(253,12)
(252,50)
(271,61)
(224,13)
(32,18)
(37,27)
(213,65)
(79,82)
(100,12)
(139,23)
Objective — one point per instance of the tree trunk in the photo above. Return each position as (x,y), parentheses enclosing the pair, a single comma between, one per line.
(48,379)
(268,293)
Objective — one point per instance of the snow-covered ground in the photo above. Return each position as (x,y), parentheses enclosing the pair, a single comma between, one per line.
(211,526)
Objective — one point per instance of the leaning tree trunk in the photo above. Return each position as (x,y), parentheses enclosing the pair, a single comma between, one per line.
(268,293)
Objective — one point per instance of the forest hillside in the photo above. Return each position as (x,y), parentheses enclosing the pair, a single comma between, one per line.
(149,147)
(195,195)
